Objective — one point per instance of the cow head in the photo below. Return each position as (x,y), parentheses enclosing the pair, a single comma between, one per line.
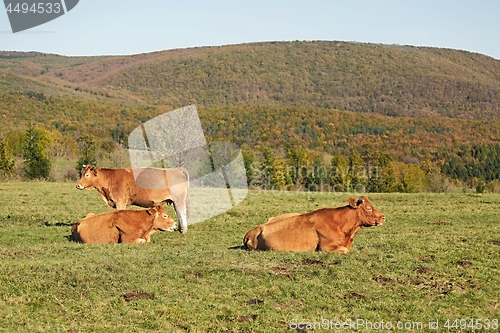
(88,178)
(162,221)
(367,214)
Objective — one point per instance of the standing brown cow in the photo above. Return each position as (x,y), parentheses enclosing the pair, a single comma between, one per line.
(144,187)
(326,229)
(122,226)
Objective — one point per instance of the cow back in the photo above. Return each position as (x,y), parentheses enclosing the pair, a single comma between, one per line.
(95,229)
(289,232)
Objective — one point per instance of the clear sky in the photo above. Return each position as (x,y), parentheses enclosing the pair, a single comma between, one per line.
(119,27)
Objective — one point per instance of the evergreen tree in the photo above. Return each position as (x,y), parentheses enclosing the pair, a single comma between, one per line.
(267,168)
(480,186)
(298,163)
(248,161)
(34,152)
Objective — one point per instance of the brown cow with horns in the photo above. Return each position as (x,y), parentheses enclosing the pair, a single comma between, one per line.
(144,187)
(326,229)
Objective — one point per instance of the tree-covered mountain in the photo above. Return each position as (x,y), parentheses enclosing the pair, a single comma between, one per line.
(384,79)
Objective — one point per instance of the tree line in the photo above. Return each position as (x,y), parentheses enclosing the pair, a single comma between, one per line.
(300,170)
(38,153)
(35,151)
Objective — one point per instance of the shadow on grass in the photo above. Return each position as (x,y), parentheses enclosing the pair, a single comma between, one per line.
(237,247)
(59,224)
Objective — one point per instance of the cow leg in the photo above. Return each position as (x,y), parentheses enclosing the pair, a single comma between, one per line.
(128,239)
(334,242)
(348,245)
(180,210)
(334,248)
(129,233)
(341,249)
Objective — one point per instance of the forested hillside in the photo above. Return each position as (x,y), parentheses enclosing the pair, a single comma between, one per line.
(426,114)
(384,79)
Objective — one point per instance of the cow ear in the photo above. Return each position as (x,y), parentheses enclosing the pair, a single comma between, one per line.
(151,211)
(353,202)
(94,170)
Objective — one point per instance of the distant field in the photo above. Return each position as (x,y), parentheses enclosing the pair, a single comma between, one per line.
(437,258)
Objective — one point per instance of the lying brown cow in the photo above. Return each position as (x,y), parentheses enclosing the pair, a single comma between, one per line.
(122,226)
(326,229)
(144,187)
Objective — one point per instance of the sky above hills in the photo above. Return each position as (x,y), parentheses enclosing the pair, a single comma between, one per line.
(122,27)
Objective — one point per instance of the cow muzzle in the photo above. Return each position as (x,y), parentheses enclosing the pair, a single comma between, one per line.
(81,187)
(172,228)
(382,220)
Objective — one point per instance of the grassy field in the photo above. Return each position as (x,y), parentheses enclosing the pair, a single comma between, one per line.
(437,258)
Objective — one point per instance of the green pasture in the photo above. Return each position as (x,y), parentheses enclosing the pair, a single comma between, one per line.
(436,259)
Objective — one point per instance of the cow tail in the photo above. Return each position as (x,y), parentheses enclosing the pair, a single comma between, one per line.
(74,232)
